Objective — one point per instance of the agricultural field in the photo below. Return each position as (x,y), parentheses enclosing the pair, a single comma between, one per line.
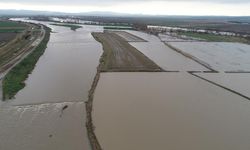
(146,111)
(173,38)
(128,37)
(6,37)
(119,55)
(238,82)
(162,55)
(9,30)
(16,43)
(220,56)
(11,24)
(14,80)
(215,38)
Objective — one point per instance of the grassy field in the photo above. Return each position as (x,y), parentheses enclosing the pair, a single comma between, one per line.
(9,30)
(71,26)
(11,24)
(18,30)
(215,38)
(14,80)
(120,56)
(118,27)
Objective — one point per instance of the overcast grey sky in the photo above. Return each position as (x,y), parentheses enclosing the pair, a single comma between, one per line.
(154,7)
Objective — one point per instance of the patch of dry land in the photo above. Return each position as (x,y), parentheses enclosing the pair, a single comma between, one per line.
(18,43)
(120,56)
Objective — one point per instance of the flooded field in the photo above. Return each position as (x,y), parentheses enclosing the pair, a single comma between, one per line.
(165,113)
(239,82)
(129,37)
(164,56)
(170,38)
(145,36)
(45,126)
(220,56)
(49,113)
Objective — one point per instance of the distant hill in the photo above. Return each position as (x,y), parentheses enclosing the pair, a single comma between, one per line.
(12,12)
(50,13)
(28,13)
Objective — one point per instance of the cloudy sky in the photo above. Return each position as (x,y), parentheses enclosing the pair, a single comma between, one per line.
(152,7)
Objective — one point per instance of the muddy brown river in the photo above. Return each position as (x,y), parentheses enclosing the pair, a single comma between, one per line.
(35,119)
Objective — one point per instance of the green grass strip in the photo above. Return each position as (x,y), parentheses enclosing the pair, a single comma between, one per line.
(11,24)
(118,27)
(14,80)
(71,26)
(11,30)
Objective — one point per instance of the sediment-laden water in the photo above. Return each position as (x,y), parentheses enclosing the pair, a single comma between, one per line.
(145,111)
(49,113)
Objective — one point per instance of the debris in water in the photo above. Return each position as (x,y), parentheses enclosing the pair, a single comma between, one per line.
(64,107)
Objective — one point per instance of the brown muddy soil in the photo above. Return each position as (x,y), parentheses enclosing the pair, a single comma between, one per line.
(120,56)
(5,37)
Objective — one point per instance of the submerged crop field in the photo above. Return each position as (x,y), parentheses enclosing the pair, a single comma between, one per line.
(221,56)
(216,38)
(149,110)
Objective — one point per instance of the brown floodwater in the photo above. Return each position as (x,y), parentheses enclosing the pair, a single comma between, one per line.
(166,57)
(239,82)
(43,127)
(221,56)
(145,111)
(66,70)
(162,55)
(49,113)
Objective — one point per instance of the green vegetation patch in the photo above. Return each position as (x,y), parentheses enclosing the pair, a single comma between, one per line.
(71,26)
(215,38)
(14,80)
(118,27)
(11,24)
(19,30)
